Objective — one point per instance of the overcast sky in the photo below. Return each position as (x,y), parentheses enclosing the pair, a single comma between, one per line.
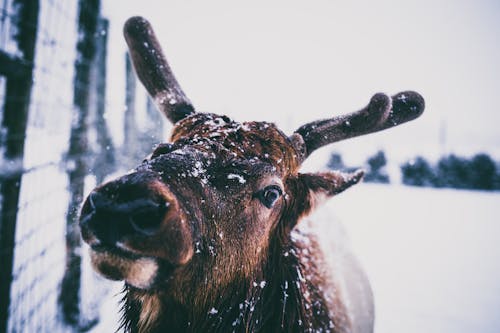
(292,62)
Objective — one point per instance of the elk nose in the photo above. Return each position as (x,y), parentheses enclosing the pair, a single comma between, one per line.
(145,216)
(109,221)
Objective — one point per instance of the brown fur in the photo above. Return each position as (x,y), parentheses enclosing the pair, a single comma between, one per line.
(245,276)
(251,305)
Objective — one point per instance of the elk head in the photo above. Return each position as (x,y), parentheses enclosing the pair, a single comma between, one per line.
(206,208)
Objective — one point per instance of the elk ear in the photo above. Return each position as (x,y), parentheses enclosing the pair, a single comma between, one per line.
(324,185)
(315,188)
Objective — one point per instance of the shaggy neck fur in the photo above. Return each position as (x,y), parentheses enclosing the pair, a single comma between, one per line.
(287,295)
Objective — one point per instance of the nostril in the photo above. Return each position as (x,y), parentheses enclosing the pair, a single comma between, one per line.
(92,198)
(110,218)
(90,208)
(147,218)
(97,201)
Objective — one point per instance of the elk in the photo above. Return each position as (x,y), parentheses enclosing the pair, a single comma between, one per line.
(206,231)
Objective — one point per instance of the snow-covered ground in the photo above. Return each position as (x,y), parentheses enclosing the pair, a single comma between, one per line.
(432,256)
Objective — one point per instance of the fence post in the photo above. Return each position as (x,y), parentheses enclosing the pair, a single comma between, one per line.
(129,149)
(15,117)
(104,162)
(77,157)
(156,131)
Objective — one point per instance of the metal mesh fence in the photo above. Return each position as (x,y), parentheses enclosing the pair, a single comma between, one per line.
(55,145)
(39,170)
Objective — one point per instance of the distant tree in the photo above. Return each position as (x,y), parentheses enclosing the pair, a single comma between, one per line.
(376,172)
(480,172)
(335,162)
(496,182)
(483,172)
(454,171)
(418,172)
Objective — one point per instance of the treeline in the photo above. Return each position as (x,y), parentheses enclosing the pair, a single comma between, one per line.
(375,167)
(479,172)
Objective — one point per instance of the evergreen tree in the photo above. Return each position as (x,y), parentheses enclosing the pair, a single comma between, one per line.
(376,172)
(482,172)
(335,162)
(454,171)
(418,172)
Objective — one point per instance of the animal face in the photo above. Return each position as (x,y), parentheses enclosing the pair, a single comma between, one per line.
(218,187)
(205,208)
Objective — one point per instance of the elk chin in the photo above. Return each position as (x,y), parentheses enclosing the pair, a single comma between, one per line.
(138,272)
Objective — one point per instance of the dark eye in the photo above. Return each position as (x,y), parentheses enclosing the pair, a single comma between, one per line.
(270,195)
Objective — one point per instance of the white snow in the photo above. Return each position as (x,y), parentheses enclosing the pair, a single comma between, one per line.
(432,256)
(261,284)
(240,178)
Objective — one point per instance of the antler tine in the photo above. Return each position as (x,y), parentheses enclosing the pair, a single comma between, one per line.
(153,70)
(381,113)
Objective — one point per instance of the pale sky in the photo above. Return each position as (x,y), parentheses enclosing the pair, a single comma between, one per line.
(291,62)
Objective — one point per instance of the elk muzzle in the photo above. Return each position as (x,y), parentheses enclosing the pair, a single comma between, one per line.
(112,221)
(135,223)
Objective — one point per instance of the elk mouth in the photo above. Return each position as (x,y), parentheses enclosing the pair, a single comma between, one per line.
(141,272)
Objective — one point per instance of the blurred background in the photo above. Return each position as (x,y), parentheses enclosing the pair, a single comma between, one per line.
(425,222)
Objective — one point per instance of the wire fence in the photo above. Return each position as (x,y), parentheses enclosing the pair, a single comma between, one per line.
(55,145)
(45,46)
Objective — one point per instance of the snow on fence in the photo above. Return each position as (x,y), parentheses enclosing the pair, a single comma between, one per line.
(52,135)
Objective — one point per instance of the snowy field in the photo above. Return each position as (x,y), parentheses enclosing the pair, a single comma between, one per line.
(432,256)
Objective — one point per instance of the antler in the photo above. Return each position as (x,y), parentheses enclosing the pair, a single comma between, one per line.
(153,70)
(381,113)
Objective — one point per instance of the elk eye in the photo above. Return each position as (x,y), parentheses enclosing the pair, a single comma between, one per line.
(269,195)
